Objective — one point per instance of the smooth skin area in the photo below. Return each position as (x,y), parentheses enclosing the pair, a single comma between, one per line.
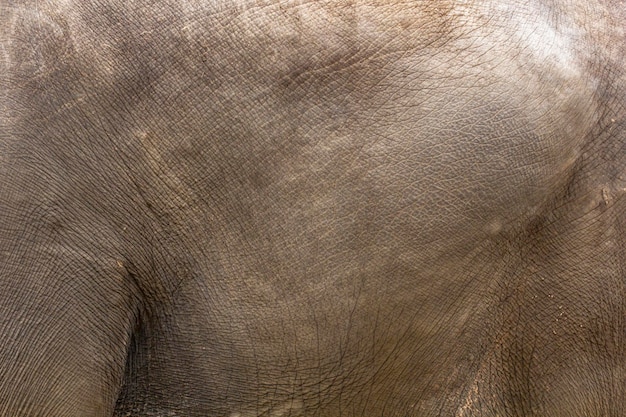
(287,208)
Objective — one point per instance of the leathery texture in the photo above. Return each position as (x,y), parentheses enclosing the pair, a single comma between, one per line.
(287,208)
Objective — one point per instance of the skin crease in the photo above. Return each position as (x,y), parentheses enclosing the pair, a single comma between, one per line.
(359,208)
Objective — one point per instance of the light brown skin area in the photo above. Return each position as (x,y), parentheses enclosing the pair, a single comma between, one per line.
(315,209)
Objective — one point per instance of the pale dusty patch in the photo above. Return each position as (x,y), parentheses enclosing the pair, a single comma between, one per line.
(468,405)
(289,408)
(494,226)
(540,37)
(531,32)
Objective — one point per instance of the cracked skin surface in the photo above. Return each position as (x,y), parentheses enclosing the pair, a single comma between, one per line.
(359,208)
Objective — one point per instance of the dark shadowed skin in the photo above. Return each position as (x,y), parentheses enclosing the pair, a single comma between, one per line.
(355,209)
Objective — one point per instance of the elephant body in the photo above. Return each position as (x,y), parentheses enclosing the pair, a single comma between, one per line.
(283,208)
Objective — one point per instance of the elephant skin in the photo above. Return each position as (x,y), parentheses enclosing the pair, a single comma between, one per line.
(355,208)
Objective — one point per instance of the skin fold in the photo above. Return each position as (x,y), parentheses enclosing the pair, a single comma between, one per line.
(288,208)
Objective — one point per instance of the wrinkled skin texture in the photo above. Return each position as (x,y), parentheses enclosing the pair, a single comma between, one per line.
(268,208)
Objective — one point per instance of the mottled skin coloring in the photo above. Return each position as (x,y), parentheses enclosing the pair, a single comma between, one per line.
(295,208)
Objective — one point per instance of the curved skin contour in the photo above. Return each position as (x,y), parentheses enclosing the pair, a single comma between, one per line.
(284,208)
